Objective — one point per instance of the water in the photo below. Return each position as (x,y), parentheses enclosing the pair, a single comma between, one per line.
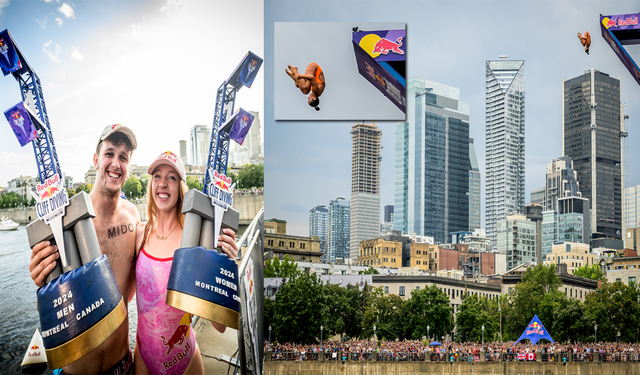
(18,315)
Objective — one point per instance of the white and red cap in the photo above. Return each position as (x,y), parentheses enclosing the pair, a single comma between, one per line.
(171,159)
(110,129)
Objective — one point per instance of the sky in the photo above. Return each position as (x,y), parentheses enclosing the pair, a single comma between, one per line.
(309,163)
(154,66)
(347,95)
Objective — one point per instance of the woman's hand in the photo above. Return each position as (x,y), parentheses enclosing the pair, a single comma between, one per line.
(227,242)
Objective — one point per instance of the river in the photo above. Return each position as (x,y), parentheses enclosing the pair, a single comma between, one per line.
(18,315)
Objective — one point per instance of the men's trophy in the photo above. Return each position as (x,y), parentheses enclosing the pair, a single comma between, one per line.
(80,305)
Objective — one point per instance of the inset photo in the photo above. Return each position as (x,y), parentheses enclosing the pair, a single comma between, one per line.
(340,70)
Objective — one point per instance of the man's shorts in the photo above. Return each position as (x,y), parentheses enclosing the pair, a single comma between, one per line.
(122,367)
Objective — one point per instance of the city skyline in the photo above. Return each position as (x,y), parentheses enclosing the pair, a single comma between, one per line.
(551,55)
(103,63)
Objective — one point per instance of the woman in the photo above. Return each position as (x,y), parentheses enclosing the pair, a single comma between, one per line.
(312,82)
(165,342)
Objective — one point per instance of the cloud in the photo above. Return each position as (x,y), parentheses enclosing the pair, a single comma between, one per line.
(3,4)
(42,22)
(59,21)
(75,54)
(53,55)
(47,1)
(67,10)
(171,5)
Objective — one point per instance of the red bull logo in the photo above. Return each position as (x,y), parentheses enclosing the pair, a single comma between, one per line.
(619,22)
(49,182)
(222,185)
(177,338)
(384,46)
(49,192)
(1,42)
(170,156)
(35,347)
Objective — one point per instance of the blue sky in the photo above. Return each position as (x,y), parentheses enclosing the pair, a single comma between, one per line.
(309,163)
(154,66)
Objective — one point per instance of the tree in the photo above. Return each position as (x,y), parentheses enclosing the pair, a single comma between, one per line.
(613,307)
(132,187)
(569,322)
(593,272)
(302,304)
(386,311)
(275,268)
(194,183)
(251,176)
(543,277)
(428,306)
(370,271)
(474,313)
(144,182)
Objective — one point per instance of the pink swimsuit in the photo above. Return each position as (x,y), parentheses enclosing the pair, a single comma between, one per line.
(165,339)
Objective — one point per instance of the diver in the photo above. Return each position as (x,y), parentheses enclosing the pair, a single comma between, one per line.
(312,82)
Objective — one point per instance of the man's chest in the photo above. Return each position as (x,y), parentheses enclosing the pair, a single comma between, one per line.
(117,239)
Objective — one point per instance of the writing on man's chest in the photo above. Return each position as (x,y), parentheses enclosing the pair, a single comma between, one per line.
(119,230)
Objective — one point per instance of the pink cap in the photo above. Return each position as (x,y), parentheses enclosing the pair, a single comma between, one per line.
(171,159)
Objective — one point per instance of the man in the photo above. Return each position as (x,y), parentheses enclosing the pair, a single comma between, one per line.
(111,161)
(585,41)
(312,82)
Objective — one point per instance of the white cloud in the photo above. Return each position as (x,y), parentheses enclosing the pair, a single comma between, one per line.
(47,1)
(171,5)
(59,21)
(42,22)
(53,55)
(75,54)
(3,4)
(67,10)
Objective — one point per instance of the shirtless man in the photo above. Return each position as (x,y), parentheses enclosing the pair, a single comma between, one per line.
(111,161)
(311,82)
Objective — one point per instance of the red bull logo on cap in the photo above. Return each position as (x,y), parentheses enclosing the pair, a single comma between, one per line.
(170,156)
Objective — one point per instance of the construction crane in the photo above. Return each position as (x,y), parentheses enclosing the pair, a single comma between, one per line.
(243,75)
(31,91)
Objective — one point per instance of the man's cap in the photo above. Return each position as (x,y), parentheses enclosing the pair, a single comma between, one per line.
(110,129)
(171,159)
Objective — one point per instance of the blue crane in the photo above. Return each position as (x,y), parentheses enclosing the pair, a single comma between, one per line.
(244,74)
(31,90)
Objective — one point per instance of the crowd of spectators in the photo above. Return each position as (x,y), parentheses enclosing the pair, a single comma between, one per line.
(416,350)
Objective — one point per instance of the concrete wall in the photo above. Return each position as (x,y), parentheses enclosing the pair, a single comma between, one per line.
(397,368)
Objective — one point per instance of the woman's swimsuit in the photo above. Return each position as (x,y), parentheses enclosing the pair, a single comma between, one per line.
(166,341)
(318,72)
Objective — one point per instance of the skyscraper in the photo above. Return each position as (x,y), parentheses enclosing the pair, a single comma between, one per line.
(365,185)
(183,151)
(516,237)
(199,140)
(561,182)
(388,213)
(319,226)
(339,229)
(505,142)
(474,188)
(431,179)
(632,206)
(591,135)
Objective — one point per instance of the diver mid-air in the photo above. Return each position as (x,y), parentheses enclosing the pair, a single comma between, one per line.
(312,82)
(585,40)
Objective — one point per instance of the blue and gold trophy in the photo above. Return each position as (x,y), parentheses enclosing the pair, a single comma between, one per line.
(80,305)
(203,281)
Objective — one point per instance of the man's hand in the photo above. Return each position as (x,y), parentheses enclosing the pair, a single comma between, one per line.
(41,262)
(227,242)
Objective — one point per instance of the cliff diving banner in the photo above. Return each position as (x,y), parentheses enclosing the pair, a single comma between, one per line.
(22,123)
(9,60)
(535,331)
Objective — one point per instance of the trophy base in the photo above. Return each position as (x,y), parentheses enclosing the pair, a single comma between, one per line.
(88,340)
(203,308)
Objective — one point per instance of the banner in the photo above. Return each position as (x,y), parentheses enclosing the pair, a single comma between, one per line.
(238,125)
(381,60)
(21,123)
(622,29)
(535,331)
(9,60)
(246,72)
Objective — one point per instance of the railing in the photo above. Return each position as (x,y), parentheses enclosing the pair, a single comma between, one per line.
(389,356)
